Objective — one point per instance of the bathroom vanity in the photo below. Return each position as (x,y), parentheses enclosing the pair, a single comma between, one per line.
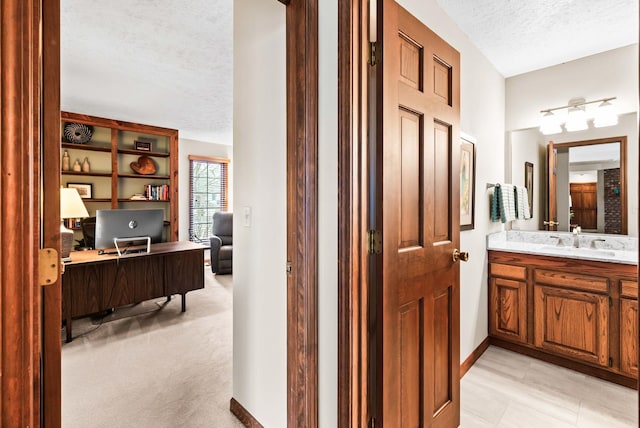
(568,299)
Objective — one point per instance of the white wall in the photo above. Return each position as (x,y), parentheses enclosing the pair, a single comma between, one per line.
(188,147)
(259,154)
(609,74)
(482,94)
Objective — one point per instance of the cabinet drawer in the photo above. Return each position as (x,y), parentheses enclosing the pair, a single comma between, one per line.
(629,289)
(571,280)
(508,271)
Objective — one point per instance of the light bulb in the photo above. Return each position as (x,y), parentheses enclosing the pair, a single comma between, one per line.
(605,115)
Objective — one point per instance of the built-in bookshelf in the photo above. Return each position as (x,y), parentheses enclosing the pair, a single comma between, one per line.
(111,181)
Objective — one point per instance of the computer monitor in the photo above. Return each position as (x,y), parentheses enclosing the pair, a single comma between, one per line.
(126,223)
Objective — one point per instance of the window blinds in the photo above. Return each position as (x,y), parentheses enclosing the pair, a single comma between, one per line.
(208,193)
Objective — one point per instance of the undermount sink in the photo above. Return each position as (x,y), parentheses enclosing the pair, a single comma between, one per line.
(579,251)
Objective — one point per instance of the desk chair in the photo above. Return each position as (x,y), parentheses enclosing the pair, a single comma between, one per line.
(88,226)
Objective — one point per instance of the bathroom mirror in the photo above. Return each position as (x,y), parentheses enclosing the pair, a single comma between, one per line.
(586,186)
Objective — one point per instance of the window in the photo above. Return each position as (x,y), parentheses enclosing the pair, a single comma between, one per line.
(208,194)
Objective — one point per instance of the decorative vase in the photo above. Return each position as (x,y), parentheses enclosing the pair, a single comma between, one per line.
(65,161)
(76,166)
(86,167)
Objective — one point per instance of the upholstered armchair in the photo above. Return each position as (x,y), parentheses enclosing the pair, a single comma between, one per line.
(222,243)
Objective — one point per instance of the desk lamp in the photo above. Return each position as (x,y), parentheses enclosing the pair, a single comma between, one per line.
(71,206)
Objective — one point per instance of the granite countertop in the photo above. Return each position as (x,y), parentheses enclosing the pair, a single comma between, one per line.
(591,246)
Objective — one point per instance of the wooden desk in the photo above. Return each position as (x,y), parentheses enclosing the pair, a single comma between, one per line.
(93,282)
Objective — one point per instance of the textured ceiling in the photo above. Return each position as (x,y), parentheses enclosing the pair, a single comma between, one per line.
(160,62)
(521,36)
(170,63)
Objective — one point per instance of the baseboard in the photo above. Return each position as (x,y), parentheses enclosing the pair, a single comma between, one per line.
(243,415)
(471,359)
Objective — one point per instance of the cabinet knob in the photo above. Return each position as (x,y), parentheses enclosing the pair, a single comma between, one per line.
(459,255)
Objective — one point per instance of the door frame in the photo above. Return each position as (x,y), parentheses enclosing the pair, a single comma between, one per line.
(302,212)
(353,82)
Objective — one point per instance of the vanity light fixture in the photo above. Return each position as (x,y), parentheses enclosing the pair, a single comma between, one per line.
(550,124)
(605,115)
(576,116)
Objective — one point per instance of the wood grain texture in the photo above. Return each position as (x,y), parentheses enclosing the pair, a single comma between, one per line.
(415,292)
(573,323)
(20,303)
(629,336)
(243,415)
(302,213)
(577,311)
(352,208)
(508,309)
(94,283)
(51,414)
(623,168)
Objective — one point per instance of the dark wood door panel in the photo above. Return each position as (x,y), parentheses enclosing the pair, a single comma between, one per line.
(419,315)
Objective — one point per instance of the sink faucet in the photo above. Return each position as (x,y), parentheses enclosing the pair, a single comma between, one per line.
(576,236)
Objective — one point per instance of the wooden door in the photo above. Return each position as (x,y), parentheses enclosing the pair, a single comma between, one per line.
(552,207)
(584,204)
(417,199)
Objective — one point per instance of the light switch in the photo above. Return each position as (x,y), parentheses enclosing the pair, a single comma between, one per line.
(246,215)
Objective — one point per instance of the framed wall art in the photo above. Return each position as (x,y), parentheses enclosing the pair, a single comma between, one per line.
(528,183)
(84,189)
(467,183)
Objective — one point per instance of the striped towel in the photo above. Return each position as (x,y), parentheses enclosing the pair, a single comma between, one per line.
(503,205)
(522,203)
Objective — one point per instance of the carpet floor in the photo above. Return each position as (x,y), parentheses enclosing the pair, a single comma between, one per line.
(150,365)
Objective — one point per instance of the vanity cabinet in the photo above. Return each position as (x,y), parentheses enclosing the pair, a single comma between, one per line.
(508,296)
(629,328)
(576,313)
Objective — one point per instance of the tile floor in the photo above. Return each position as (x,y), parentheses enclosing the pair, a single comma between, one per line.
(506,389)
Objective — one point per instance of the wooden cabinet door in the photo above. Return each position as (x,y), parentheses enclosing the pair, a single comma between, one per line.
(508,309)
(572,323)
(629,336)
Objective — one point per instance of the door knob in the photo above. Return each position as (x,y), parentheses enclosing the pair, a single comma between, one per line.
(460,255)
(550,223)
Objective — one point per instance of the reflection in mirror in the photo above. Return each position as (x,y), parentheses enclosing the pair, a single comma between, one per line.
(590,187)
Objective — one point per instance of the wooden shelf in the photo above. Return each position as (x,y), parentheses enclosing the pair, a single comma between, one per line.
(96,200)
(148,177)
(113,147)
(86,147)
(141,153)
(87,174)
(143,200)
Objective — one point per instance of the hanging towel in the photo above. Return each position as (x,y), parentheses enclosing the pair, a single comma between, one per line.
(522,203)
(496,203)
(503,204)
(508,212)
